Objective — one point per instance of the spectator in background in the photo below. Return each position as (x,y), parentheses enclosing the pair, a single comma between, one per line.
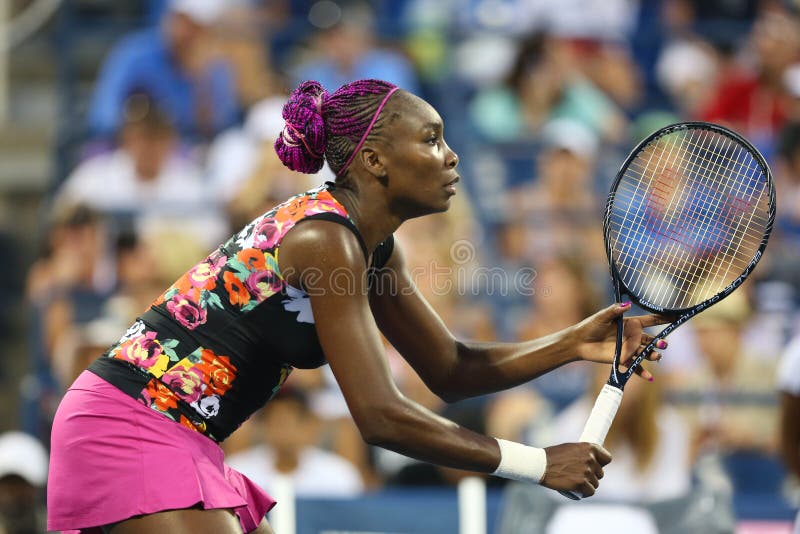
(722,424)
(147,182)
(345,49)
(754,100)
(687,70)
(146,172)
(23,475)
(562,291)
(561,207)
(244,171)
(544,84)
(785,254)
(650,441)
(288,446)
(69,285)
(175,64)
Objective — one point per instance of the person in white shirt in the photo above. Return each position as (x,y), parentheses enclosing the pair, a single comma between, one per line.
(287,447)
(148,180)
(145,172)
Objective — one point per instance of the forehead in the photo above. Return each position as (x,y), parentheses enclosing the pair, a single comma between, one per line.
(410,114)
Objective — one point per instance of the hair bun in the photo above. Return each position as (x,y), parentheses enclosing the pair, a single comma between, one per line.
(301,144)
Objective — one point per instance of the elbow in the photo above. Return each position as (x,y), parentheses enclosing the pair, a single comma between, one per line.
(381,426)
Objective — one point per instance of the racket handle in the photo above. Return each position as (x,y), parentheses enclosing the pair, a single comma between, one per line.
(596,429)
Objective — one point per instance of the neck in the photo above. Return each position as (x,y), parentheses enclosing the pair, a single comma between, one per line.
(370,213)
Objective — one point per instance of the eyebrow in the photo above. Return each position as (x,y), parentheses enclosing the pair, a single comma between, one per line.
(433,126)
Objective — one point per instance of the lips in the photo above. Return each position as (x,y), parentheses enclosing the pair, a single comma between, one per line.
(454,181)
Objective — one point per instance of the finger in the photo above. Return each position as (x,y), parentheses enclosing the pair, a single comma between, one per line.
(653,320)
(654,356)
(590,477)
(615,310)
(602,456)
(599,473)
(586,489)
(660,344)
(644,373)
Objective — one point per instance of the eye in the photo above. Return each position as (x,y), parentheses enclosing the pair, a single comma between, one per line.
(433,140)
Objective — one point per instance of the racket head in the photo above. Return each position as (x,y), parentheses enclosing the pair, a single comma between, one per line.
(688,217)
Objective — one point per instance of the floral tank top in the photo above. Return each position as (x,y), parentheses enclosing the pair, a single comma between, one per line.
(220,342)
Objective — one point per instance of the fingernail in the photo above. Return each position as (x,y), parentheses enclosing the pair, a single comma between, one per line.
(651,379)
(624,304)
(661,344)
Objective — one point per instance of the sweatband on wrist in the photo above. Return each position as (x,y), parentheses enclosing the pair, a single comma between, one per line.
(521,462)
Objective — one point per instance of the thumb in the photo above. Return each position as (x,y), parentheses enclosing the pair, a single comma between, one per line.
(617,309)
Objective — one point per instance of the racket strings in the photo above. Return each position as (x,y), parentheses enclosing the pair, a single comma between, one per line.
(687,217)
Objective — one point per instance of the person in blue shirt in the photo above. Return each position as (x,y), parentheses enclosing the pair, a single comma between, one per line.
(347,51)
(172,64)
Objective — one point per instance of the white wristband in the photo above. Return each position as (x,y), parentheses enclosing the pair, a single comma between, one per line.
(521,462)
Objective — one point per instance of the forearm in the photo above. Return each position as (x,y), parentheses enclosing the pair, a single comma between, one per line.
(482,368)
(416,432)
(790,434)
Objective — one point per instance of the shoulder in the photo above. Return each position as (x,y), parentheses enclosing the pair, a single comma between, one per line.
(322,245)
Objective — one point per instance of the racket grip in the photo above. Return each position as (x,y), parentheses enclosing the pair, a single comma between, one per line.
(596,429)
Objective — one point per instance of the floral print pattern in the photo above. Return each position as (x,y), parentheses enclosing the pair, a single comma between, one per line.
(188,382)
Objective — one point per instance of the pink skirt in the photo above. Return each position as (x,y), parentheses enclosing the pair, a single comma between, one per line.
(112,458)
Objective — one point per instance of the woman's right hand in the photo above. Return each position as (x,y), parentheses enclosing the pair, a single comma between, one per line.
(575,467)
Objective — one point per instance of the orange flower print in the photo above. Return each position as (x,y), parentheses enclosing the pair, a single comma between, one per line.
(237,293)
(158,396)
(253,259)
(219,372)
(190,425)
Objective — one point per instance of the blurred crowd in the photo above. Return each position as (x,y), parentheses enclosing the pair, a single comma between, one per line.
(542,100)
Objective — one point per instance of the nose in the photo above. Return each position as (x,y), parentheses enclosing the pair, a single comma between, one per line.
(452,158)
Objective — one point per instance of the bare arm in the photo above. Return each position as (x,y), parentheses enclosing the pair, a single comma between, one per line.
(455,369)
(324,253)
(331,256)
(790,432)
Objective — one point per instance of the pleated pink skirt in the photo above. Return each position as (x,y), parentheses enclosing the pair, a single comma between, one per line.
(112,458)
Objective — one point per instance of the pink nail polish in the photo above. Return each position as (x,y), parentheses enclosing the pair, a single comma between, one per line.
(651,379)
(661,344)
(624,304)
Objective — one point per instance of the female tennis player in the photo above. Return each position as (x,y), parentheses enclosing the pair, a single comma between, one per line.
(135,439)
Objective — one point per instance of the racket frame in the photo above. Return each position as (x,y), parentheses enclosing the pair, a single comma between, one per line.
(610,397)
(617,378)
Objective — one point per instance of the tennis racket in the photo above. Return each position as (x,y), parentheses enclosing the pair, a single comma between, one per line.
(687,220)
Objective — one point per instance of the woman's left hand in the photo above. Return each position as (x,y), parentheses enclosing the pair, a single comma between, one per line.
(597,337)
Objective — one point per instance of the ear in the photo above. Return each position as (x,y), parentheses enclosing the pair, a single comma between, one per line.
(373,161)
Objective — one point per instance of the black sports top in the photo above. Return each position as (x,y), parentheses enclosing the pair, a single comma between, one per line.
(220,342)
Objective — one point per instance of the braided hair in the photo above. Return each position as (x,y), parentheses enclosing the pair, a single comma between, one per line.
(331,126)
